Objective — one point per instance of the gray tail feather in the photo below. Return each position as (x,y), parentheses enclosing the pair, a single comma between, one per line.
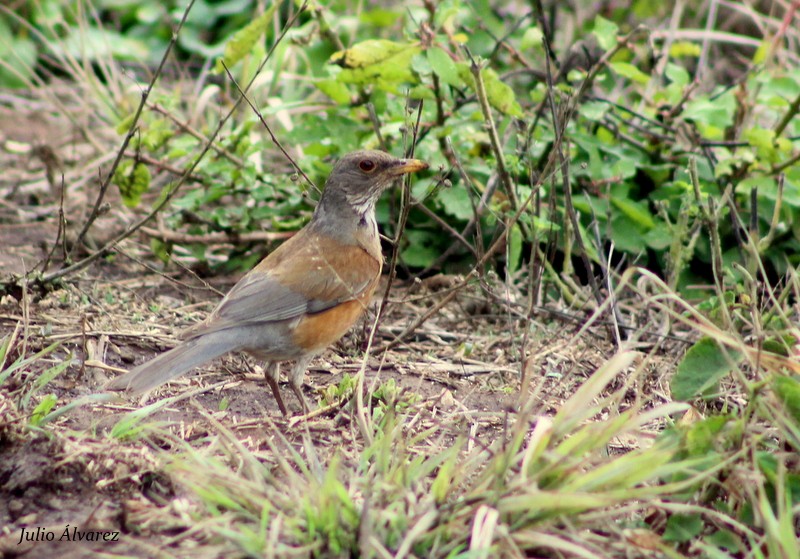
(173,363)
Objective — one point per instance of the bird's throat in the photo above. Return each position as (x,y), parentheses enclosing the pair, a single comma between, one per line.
(366,221)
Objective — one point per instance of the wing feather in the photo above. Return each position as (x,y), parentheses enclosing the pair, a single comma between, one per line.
(319,275)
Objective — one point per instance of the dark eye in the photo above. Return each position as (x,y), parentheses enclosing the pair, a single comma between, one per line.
(367,165)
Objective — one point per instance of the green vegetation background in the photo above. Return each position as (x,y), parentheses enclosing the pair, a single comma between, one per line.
(657,104)
(573,138)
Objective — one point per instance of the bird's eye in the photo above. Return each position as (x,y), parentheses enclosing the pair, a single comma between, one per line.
(367,165)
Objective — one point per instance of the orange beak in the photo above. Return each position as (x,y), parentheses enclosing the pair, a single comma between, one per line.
(405,166)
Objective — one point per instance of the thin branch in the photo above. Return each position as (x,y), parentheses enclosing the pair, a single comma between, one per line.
(444,225)
(187,128)
(376,126)
(494,139)
(474,221)
(267,127)
(774,226)
(498,243)
(217,238)
(777,169)
(560,126)
(171,190)
(132,129)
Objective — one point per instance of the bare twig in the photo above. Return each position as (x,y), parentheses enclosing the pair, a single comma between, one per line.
(362,417)
(711,220)
(217,238)
(774,225)
(187,128)
(499,241)
(446,226)
(61,233)
(494,139)
(405,208)
(376,126)
(325,29)
(569,110)
(272,136)
(132,129)
(777,169)
(162,165)
(474,221)
(172,189)
(474,273)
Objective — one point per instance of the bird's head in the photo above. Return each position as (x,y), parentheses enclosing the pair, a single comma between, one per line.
(359,178)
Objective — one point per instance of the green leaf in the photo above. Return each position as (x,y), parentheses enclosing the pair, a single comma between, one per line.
(224,404)
(89,399)
(762,51)
(594,110)
(533,38)
(704,436)
(420,65)
(334,89)
(419,253)
(368,53)
(455,201)
(156,135)
(606,32)
(703,365)
(514,247)
(764,141)
(160,249)
(627,235)
(380,17)
(193,40)
(683,527)
(242,42)
(715,116)
(786,88)
(724,539)
(629,71)
(44,407)
(499,95)
(21,361)
(444,67)
(635,211)
(98,44)
(659,237)
(787,389)
(421,92)
(133,180)
(384,63)
(19,58)
(43,379)
(134,425)
(443,483)
(684,48)
(677,75)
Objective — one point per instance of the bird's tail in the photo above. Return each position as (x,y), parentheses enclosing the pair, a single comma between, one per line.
(173,363)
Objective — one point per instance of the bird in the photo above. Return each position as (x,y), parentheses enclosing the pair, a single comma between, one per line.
(303,296)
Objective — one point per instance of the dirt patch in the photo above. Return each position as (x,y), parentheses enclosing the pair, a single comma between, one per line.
(74,473)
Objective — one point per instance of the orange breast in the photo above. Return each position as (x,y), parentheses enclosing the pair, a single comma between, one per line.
(315,332)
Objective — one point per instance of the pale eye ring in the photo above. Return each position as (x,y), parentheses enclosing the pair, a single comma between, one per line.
(366,165)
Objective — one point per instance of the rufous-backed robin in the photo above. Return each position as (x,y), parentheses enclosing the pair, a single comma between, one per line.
(303,296)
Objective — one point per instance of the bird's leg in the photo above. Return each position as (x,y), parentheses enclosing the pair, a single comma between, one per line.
(296,376)
(271,372)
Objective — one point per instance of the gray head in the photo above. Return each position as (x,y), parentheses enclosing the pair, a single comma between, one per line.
(358,179)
